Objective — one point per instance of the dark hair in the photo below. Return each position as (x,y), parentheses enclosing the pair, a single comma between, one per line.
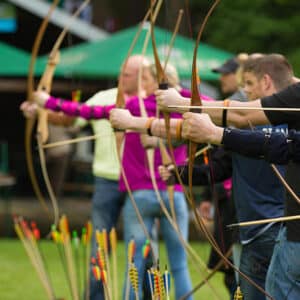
(275,65)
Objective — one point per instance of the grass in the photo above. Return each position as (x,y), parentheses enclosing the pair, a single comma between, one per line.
(18,279)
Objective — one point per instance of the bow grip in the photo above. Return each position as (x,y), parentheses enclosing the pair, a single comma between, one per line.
(163,86)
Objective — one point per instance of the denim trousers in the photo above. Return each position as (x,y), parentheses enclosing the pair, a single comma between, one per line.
(255,261)
(150,210)
(283,278)
(107,203)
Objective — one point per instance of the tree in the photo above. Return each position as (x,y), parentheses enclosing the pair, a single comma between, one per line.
(265,26)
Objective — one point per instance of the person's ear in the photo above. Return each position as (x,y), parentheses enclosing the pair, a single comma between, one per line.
(267,82)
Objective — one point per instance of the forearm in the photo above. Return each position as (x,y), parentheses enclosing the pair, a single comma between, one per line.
(75,109)
(215,114)
(274,148)
(232,117)
(182,101)
(154,126)
(241,114)
(158,128)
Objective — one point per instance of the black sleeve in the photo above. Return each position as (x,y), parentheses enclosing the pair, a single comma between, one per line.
(289,97)
(219,167)
(274,148)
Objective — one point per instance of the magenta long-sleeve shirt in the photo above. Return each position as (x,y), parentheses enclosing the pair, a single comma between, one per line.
(134,160)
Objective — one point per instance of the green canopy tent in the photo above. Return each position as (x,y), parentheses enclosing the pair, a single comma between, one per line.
(13,61)
(104,58)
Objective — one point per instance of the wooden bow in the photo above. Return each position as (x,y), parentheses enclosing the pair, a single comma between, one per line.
(163,84)
(45,84)
(196,100)
(47,77)
(30,122)
(119,135)
(166,159)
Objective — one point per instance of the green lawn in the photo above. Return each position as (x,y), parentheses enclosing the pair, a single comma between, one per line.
(18,279)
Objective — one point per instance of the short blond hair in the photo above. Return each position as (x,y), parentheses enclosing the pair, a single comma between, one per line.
(170,72)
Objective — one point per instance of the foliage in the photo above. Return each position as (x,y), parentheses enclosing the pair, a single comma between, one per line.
(265,26)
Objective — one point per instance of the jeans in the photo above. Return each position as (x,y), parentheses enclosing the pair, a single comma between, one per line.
(149,207)
(283,278)
(107,203)
(255,260)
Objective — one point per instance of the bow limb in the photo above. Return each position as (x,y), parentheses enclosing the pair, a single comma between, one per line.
(150,152)
(196,100)
(285,184)
(166,160)
(162,81)
(176,29)
(119,135)
(280,177)
(163,84)
(42,130)
(165,156)
(35,49)
(208,277)
(29,123)
(197,261)
(45,84)
(47,78)
(120,100)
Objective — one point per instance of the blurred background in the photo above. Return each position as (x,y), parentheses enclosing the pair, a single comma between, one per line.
(236,26)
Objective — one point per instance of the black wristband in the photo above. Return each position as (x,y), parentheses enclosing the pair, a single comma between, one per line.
(149,131)
(149,125)
(224,118)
